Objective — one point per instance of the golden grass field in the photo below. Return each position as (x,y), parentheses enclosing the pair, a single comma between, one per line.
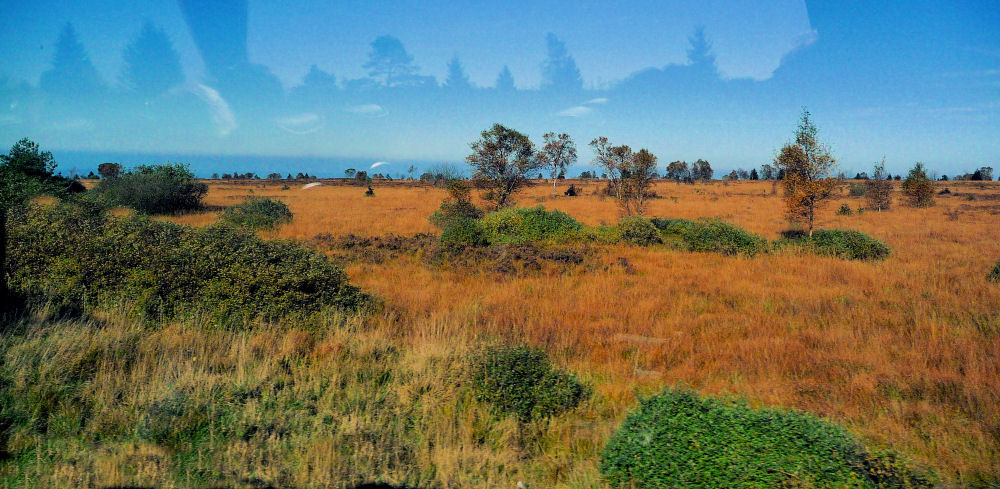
(905,352)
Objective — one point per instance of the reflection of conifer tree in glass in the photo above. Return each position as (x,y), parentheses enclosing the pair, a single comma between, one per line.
(317,86)
(457,79)
(152,66)
(72,74)
(700,53)
(389,63)
(559,70)
(505,80)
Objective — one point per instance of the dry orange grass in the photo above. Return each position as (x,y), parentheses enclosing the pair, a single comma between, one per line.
(906,352)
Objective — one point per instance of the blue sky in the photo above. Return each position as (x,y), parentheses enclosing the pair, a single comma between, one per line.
(908,80)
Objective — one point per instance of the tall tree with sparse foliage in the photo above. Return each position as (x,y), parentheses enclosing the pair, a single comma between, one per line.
(878,188)
(558,153)
(807,166)
(918,188)
(501,159)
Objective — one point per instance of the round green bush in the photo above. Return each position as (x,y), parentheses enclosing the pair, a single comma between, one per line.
(710,235)
(994,275)
(847,244)
(520,381)
(678,439)
(463,232)
(257,213)
(531,225)
(638,231)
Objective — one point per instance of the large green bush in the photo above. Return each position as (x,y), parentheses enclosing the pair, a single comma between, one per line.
(76,256)
(529,225)
(154,189)
(638,231)
(994,275)
(463,232)
(710,234)
(678,439)
(257,213)
(841,243)
(520,381)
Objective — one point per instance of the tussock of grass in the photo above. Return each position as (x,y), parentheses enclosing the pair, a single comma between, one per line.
(711,235)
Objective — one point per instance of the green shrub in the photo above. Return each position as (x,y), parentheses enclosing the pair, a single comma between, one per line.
(520,381)
(638,231)
(678,439)
(154,189)
(858,190)
(257,213)
(710,234)
(994,275)
(74,256)
(529,225)
(457,206)
(846,244)
(463,232)
(845,210)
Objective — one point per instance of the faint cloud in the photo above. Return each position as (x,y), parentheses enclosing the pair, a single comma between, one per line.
(307,123)
(370,110)
(378,164)
(78,124)
(594,101)
(578,111)
(222,115)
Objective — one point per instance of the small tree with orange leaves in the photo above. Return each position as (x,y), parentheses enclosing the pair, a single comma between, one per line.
(807,168)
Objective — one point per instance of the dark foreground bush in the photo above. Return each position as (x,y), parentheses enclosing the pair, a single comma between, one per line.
(520,381)
(154,189)
(75,257)
(710,234)
(677,439)
(846,244)
(994,275)
(529,225)
(638,231)
(257,213)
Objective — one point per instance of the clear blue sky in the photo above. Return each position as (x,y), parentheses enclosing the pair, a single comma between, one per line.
(909,80)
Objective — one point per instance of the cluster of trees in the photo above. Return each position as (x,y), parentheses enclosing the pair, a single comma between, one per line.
(679,171)
(503,158)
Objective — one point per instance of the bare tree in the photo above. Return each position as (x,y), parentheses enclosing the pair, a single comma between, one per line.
(878,191)
(806,165)
(558,153)
(502,158)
